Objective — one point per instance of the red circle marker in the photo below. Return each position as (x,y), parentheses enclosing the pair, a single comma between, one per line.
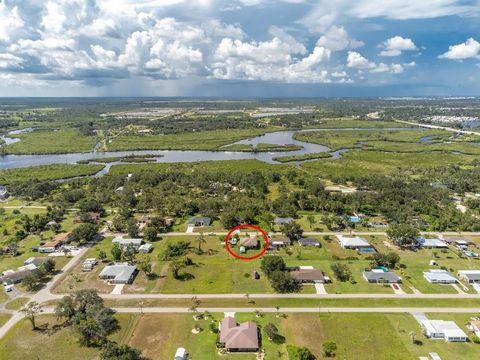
(243,226)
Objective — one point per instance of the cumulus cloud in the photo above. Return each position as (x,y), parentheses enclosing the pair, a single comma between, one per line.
(10,22)
(359,62)
(273,60)
(396,45)
(470,49)
(336,38)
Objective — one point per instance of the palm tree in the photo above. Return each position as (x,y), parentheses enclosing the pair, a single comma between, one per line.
(200,240)
(278,309)
(413,336)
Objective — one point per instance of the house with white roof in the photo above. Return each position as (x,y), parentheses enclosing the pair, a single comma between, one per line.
(470,276)
(432,243)
(124,243)
(355,243)
(436,276)
(440,329)
(118,273)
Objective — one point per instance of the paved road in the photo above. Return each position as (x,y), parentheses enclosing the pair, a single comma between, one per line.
(286,296)
(333,233)
(429,126)
(135,310)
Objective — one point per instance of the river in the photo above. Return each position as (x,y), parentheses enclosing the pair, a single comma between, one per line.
(174,156)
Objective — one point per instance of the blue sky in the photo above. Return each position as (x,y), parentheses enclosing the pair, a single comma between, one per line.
(239,48)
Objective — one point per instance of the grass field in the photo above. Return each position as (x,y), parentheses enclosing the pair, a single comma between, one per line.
(364,163)
(203,140)
(51,342)
(52,142)
(16,303)
(292,158)
(47,172)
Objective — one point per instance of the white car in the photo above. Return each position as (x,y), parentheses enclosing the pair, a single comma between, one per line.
(8,288)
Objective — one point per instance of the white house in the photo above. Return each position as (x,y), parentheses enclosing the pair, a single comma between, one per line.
(475,327)
(470,276)
(356,243)
(440,329)
(435,276)
(433,243)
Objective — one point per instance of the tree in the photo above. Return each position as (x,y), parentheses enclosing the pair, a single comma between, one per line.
(389,260)
(272,263)
(113,351)
(132,228)
(229,219)
(65,309)
(116,252)
(150,233)
(32,281)
(128,253)
(282,282)
(102,255)
(200,241)
(292,230)
(341,271)
(271,331)
(311,220)
(176,266)
(304,354)
(84,233)
(403,235)
(144,263)
(329,348)
(30,311)
(48,266)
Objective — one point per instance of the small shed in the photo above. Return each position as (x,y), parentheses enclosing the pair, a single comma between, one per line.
(181,354)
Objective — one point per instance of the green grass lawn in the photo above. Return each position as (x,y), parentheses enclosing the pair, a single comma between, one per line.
(21,342)
(47,172)
(63,141)
(203,140)
(4,318)
(364,163)
(16,303)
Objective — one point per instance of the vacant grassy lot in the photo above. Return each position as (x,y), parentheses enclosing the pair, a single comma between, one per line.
(47,172)
(4,318)
(50,342)
(52,142)
(363,163)
(204,140)
(16,303)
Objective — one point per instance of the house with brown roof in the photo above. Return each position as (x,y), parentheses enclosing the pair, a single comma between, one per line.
(53,245)
(304,275)
(238,337)
(249,242)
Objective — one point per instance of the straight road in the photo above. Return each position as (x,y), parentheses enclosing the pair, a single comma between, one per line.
(162,310)
(333,233)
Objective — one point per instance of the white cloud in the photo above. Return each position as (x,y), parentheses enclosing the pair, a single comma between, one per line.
(470,49)
(8,61)
(357,61)
(396,45)
(273,60)
(336,38)
(10,22)
(326,12)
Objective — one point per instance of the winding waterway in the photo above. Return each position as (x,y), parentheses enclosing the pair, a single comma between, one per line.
(174,156)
